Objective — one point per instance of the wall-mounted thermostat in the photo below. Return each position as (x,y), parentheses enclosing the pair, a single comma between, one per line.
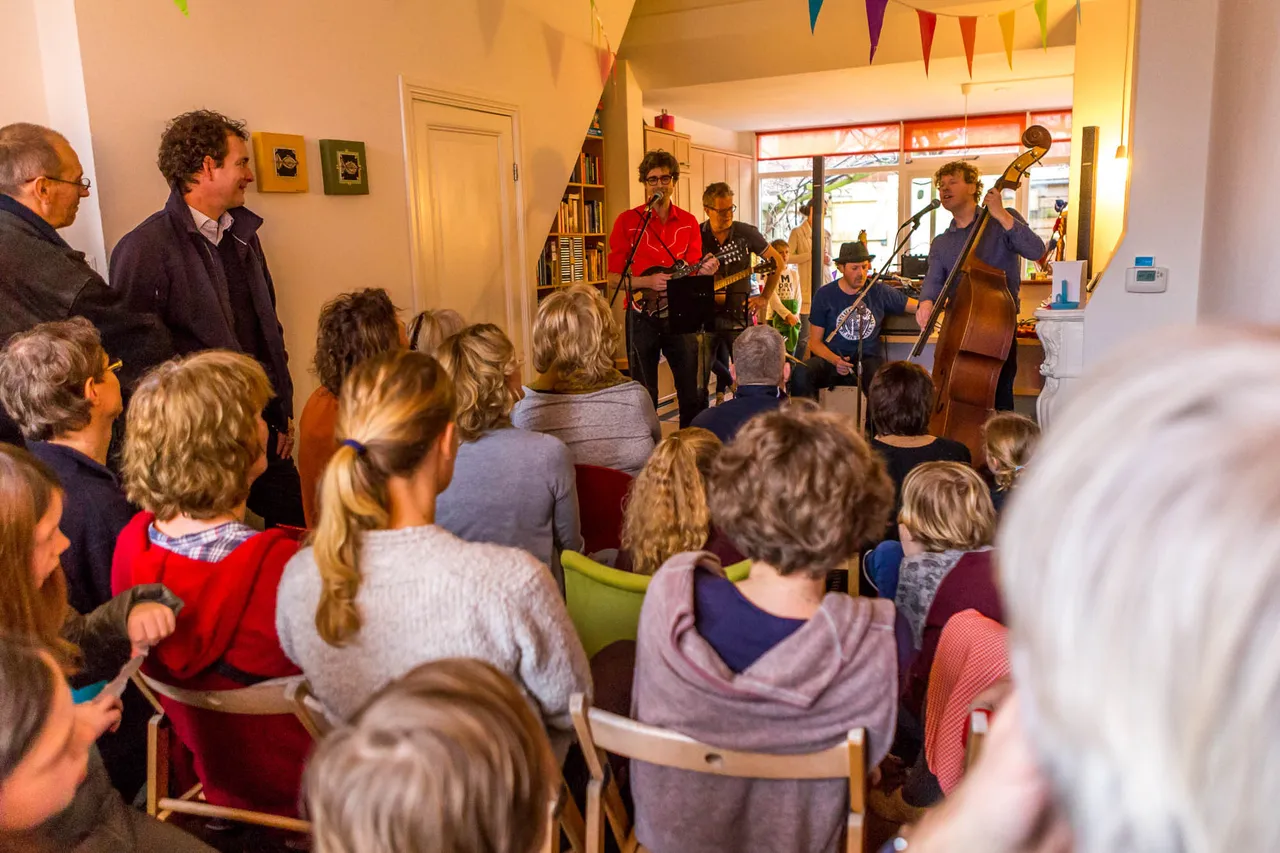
(1147,279)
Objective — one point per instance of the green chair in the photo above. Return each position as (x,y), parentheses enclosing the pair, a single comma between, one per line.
(604,603)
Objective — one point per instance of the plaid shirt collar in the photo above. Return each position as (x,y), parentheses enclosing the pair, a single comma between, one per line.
(210,546)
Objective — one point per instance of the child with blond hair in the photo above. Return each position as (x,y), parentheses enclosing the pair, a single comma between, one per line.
(1010,440)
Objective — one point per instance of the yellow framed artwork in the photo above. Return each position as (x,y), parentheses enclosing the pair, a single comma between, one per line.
(281,160)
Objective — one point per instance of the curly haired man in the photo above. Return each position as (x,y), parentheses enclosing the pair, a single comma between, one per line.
(198,263)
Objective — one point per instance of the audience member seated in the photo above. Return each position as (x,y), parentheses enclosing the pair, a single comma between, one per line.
(1139,566)
(773,664)
(579,397)
(510,486)
(384,589)
(352,327)
(448,758)
(1010,439)
(761,371)
(189,464)
(54,793)
(667,511)
(946,525)
(432,328)
(61,387)
(899,403)
(43,753)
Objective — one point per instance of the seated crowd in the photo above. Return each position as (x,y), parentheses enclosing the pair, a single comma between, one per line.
(425,610)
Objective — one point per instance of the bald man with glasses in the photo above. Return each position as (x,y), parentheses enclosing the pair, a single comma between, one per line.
(42,278)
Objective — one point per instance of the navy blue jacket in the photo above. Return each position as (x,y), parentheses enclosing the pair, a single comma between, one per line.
(727,418)
(168,267)
(94,511)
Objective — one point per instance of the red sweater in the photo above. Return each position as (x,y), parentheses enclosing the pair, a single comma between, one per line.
(225,639)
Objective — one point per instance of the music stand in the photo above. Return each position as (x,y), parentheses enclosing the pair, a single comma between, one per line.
(691,304)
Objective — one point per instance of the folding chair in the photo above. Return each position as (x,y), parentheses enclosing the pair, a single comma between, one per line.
(600,732)
(278,696)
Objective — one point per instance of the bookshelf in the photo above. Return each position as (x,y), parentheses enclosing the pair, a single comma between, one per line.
(576,249)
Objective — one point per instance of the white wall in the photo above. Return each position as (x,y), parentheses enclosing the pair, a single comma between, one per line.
(1169,174)
(331,69)
(1239,278)
(1100,100)
(22,95)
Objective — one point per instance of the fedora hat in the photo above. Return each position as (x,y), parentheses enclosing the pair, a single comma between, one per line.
(853,253)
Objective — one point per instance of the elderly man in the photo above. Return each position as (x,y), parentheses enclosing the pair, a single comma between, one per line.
(199,264)
(761,371)
(43,279)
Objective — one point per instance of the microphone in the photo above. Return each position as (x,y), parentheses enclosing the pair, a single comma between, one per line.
(928,208)
(653,199)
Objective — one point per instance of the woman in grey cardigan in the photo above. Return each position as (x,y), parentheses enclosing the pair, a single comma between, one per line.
(384,588)
(510,486)
(579,397)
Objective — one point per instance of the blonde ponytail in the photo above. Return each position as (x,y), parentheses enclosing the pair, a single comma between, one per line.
(667,509)
(1010,439)
(392,410)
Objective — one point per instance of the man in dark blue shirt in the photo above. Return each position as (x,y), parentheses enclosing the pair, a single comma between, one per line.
(760,370)
(839,333)
(1007,240)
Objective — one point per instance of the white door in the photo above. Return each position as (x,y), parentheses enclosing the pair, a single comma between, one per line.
(468,236)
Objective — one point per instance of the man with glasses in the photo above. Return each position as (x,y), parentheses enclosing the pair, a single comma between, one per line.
(43,279)
(735,242)
(670,236)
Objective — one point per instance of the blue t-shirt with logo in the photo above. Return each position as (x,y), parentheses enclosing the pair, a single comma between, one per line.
(831,301)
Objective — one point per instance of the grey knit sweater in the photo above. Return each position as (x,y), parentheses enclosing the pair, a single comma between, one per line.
(427,595)
(614,427)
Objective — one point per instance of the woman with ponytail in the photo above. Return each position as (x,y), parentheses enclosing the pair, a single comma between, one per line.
(383,588)
(667,506)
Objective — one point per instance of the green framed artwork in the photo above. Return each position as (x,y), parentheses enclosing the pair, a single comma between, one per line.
(344,166)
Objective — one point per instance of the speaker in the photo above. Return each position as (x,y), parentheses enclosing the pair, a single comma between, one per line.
(1086,204)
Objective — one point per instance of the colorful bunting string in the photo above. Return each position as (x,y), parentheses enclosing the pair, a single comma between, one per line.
(182,7)
(607,56)
(928,26)
(1042,12)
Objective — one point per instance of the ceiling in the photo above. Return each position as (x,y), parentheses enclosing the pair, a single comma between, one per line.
(751,65)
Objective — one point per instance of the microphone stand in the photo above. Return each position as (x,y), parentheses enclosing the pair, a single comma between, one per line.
(631,298)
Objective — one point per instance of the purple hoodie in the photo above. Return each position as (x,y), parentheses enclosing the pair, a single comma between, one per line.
(837,672)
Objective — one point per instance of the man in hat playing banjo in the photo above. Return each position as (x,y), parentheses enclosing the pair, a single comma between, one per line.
(844,322)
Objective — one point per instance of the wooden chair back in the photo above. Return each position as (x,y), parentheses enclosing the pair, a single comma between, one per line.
(600,732)
(277,696)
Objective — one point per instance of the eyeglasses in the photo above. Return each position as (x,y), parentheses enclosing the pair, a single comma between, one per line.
(723,211)
(114,367)
(655,180)
(83,183)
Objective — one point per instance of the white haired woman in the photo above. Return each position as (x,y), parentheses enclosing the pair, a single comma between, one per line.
(1139,563)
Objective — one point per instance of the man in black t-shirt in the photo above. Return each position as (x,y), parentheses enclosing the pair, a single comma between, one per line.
(734,243)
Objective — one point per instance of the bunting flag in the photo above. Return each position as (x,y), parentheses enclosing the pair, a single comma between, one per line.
(969,32)
(875,23)
(815,6)
(1079,14)
(1042,12)
(182,7)
(1007,20)
(606,56)
(928,25)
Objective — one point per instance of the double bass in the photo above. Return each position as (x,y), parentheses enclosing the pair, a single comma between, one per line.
(979,317)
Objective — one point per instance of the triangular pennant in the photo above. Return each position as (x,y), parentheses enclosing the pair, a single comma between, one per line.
(1079,14)
(815,6)
(1042,12)
(928,25)
(969,32)
(1007,20)
(875,23)
(182,7)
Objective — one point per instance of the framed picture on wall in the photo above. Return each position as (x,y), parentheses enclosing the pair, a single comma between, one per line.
(344,166)
(281,160)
